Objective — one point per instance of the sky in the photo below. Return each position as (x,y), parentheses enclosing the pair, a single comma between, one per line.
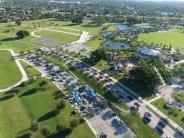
(164,0)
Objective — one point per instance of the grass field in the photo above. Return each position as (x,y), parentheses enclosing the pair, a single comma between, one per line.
(175,38)
(18,46)
(66,29)
(179,96)
(58,35)
(160,104)
(31,72)
(102,65)
(32,104)
(95,43)
(9,72)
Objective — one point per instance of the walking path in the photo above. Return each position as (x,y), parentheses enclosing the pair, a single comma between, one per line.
(154,99)
(160,77)
(24,75)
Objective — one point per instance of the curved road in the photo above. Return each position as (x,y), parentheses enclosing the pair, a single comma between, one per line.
(24,75)
(83,37)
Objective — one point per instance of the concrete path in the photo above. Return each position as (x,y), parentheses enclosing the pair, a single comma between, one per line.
(160,77)
(24,75)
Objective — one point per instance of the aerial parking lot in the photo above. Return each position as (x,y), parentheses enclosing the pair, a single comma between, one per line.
(109,124)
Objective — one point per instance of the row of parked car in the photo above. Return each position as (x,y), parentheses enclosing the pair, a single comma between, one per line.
(82,97)
(90,71)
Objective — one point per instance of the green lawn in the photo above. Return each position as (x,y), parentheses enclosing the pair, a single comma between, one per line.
(95,42)
(160,104)
(179,96)
(9,72)
(17,113)
(18,46)
(31,72)
(58,35)
(175,38)
(102,65)
(66,29)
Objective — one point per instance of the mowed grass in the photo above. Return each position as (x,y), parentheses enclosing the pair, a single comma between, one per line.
(160,104)
(18,112)
(9,72)
(66,29)
(102,65)
(173,38)
(58,35)
(31,72)
(179,96)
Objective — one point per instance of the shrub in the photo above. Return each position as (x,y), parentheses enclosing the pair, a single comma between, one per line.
(22,34)
(34,126)
(74,123)
(45,131)
(60,127)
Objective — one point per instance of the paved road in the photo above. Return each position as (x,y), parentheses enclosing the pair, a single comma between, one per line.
(24,75)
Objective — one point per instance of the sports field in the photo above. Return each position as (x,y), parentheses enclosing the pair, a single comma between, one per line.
(9,72)
(173,38)
(32,103)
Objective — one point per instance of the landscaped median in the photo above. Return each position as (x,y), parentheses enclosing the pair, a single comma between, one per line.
(31,72)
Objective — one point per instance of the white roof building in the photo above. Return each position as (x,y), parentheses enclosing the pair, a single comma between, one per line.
(149,52)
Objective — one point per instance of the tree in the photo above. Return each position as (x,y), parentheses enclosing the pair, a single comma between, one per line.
(22,34)
(45,131)
(172,111)
(77,18)
(74,123)
(99,20)
(18,22)
(145,75)
(61,105)
(60,127)
(34,126)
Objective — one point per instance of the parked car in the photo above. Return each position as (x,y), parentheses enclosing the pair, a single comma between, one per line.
(160,126)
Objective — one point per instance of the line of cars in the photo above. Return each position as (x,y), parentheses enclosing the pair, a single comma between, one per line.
(82,97)
(90,71)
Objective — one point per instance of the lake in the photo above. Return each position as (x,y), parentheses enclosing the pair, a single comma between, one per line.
(124,27)
(115,45)
(105,34)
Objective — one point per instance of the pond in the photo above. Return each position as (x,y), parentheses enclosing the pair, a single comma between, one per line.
(124,27)
(115,45)
(105,34)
